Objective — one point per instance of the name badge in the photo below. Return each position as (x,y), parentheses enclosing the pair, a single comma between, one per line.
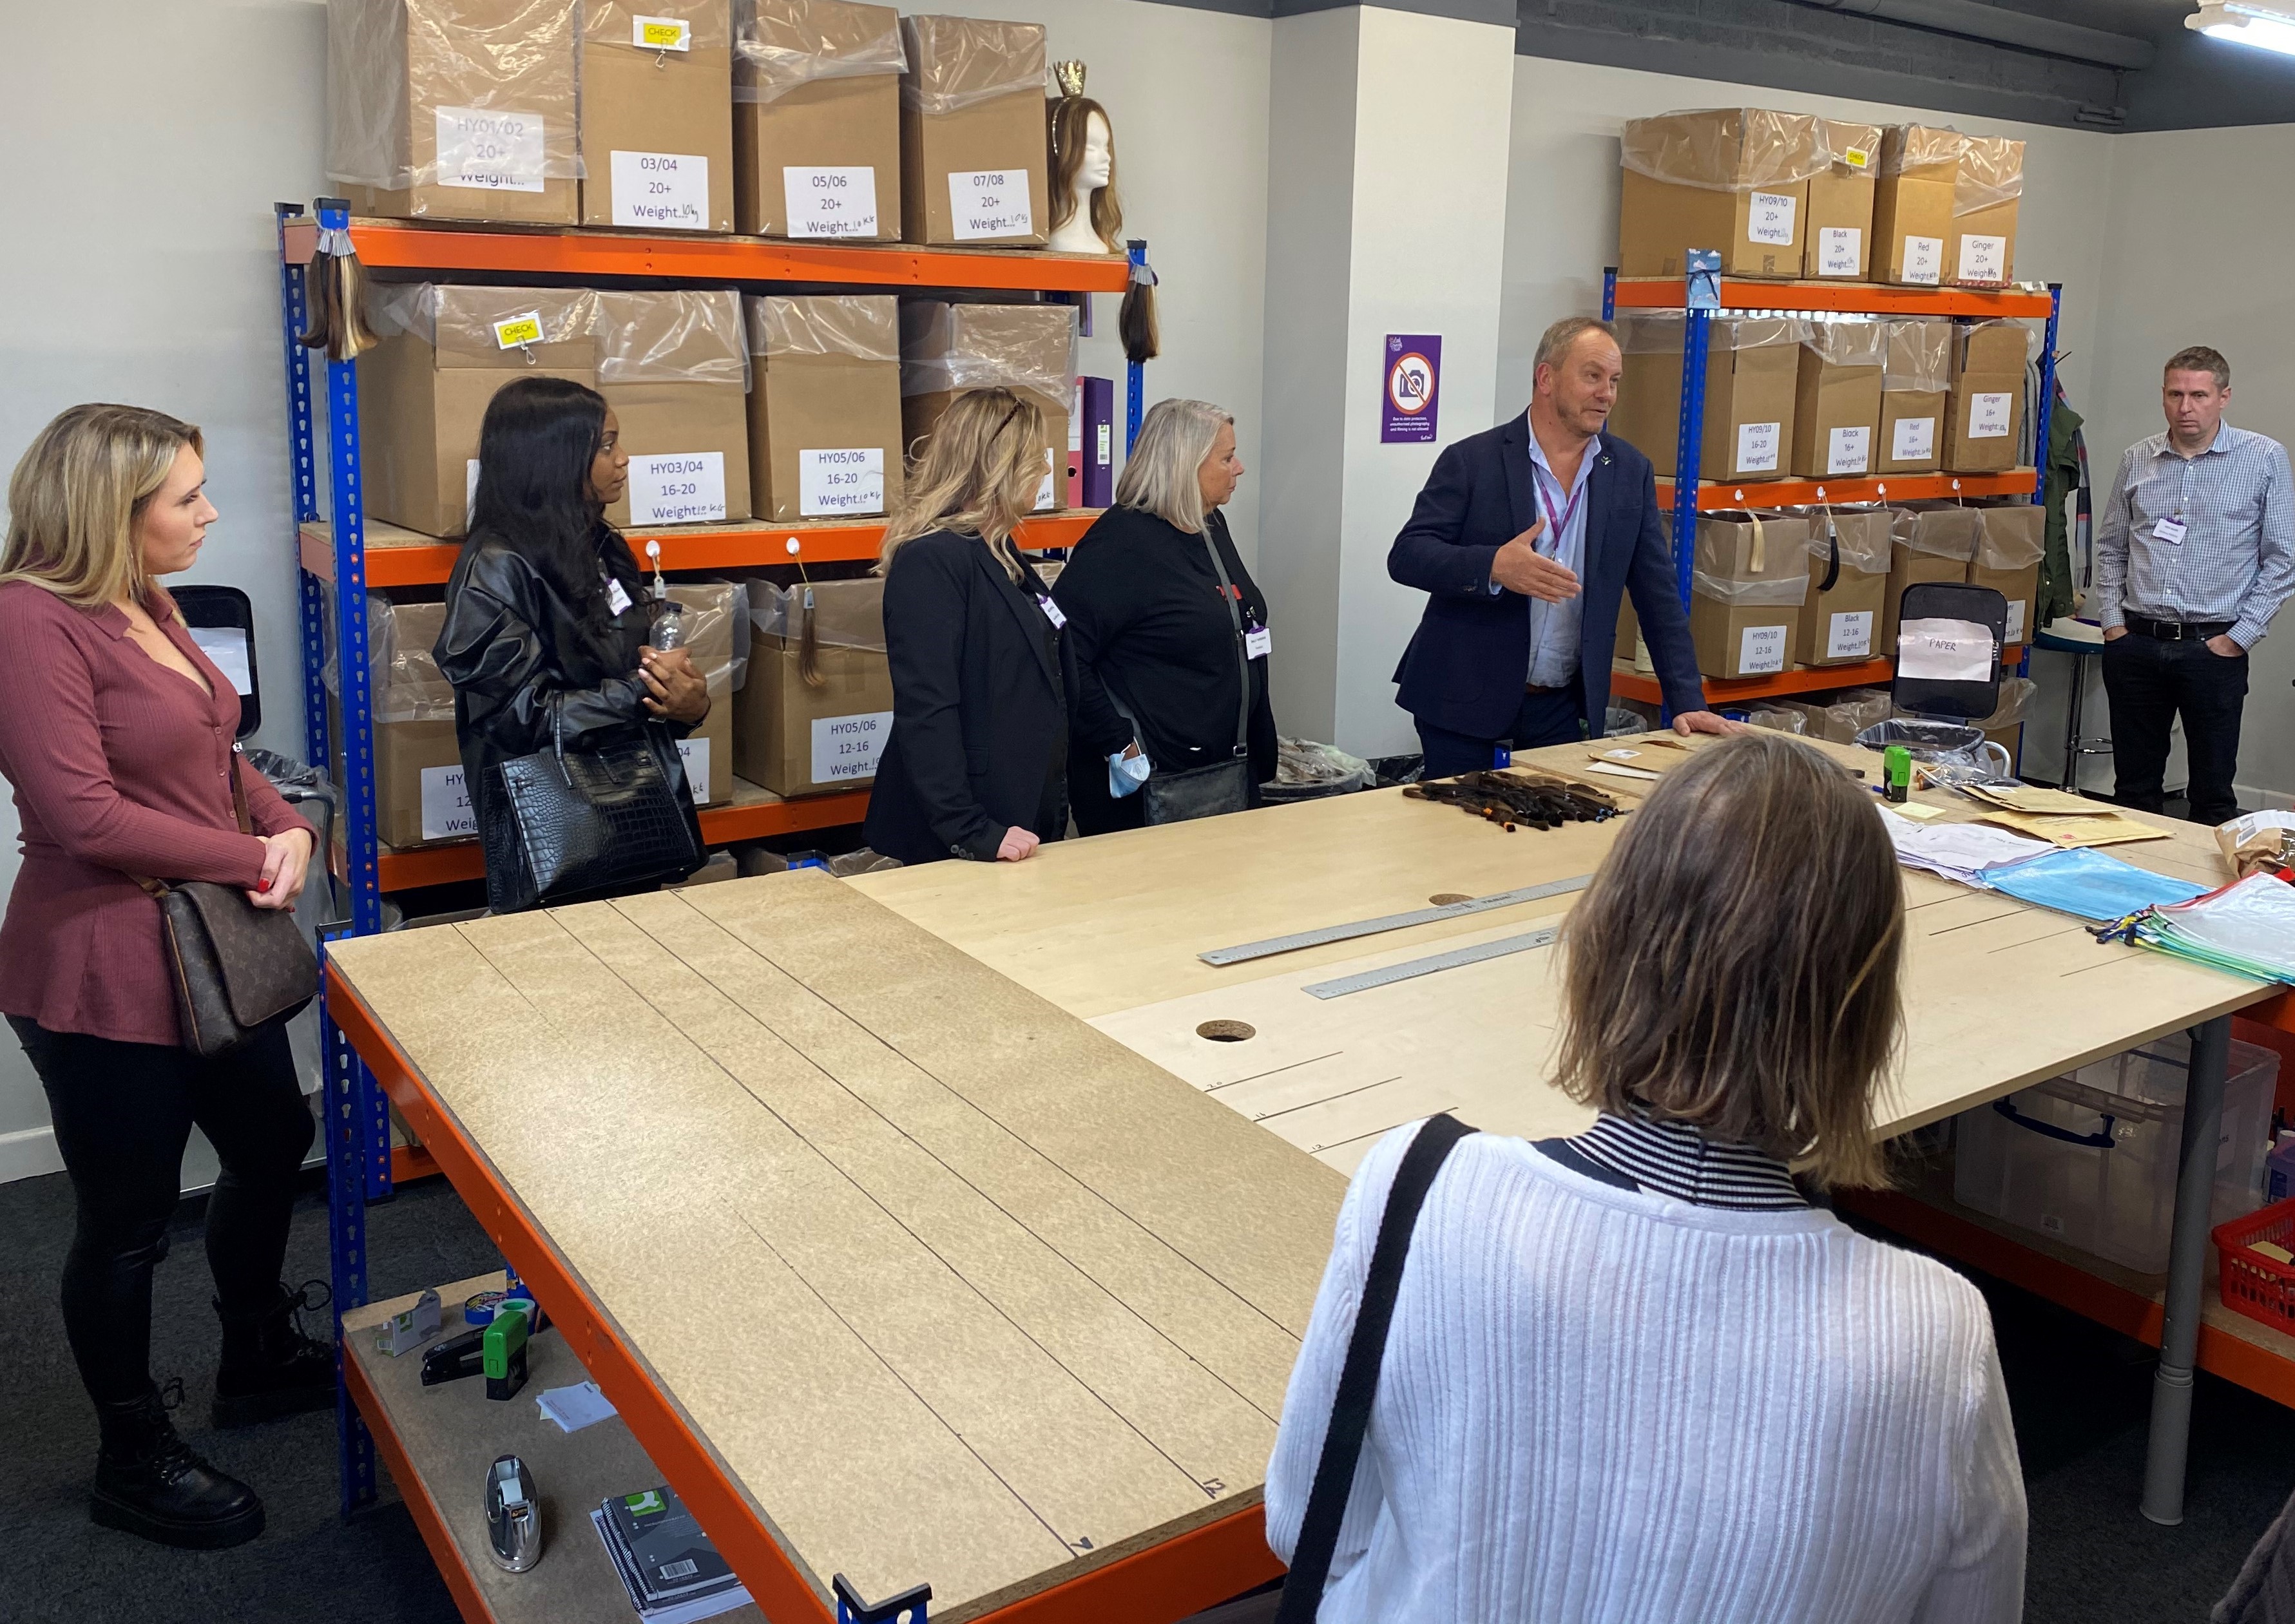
(617,597)
(2170,531)
(1053,613)
(1257,642)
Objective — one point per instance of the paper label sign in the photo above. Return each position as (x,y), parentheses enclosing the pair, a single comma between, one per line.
(490,149)
(1769,218)
(682,488)
(1856,158)
(511,331)
(694,752)
(830,482)
(1045,488)
(1761,649)
(1991,416)
(845,748)
(1914,441)
(1839,251)
(447,810)
(1984,259)
(1924,260)
(1944,651)
(1410,388)
(840,202)
(661,33)
(2015,632)
(661,191)
(984,203)
(1757,447)
(1849,636)
(1849,451)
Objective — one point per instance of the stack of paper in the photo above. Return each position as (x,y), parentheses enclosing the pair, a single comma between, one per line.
(2087,885)
(674,1575)
(1961,851)
(2056,817)
(577,1407)
(2248,928)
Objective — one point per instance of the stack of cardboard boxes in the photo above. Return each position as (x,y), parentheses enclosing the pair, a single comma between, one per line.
(1945,211)
(1749,582)
(817,120)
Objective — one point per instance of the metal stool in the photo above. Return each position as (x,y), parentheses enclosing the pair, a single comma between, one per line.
(2083,646)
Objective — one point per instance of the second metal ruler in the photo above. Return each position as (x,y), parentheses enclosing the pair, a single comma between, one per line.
(1456,958)
(1326,934)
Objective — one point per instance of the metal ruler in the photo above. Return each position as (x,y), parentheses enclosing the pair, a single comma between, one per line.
(1409,969)
(1393,921)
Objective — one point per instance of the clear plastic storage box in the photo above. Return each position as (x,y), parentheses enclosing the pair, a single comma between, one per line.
(2090,1159)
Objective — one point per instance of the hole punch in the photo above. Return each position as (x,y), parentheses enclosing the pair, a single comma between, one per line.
(1227,1031)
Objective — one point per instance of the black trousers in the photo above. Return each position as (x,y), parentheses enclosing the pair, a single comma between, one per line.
(123,1112)
(1544,719)
(2149,683)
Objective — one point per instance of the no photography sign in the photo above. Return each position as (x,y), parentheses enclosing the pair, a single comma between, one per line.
(1413,373)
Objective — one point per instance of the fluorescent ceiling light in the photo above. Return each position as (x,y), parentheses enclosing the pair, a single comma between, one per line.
(2249,25)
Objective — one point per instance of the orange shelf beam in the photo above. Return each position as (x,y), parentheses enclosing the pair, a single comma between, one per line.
(1801,680)
(403,246)
(1718,495)
(1849,299)
(735,547)
(411,1161)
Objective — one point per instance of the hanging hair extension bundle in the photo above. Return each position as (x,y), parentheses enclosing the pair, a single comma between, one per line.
(335,286)
(1135,323)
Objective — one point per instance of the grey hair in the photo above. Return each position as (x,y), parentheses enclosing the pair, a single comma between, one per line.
(1159,476)
(1557,340)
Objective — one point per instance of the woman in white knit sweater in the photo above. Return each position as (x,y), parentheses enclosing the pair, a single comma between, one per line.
(1632,1377)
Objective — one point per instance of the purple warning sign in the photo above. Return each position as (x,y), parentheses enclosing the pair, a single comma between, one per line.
(1413,367)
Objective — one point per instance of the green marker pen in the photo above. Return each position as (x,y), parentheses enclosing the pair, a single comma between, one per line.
(1897,770)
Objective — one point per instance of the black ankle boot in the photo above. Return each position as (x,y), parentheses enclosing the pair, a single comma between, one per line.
(151,1482)
(270,1368)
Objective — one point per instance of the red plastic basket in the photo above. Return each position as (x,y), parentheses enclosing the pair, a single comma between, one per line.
(2258,1286)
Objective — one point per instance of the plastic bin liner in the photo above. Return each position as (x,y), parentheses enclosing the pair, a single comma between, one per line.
(1852,146)
(2015,700)
(1988,169)
(390,62)
(708,23)
(1764,562)
(1732,149)
(1918,358)
(846,613)
(1945,532)
(461,320)
(951,347)
(2010,537)
(956,63)
(1306,771)
(1864,547)
(780,45)
(1940,743)
(690,336)
(717,623)
(1849,343)
(405,682)
(1659,333)
(2088,885)
(865,326)
(1782,722)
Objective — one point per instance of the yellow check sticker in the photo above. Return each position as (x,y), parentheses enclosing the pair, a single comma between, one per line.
(662,34)
(514,330)
(1857,158)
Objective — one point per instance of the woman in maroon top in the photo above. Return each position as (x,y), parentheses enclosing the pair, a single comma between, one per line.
(116,732)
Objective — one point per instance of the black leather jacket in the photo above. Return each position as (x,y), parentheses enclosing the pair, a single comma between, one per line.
(528,669)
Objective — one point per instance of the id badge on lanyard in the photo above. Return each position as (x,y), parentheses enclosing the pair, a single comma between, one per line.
(1556,525)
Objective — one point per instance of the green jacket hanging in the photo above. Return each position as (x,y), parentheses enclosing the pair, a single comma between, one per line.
(2063,475)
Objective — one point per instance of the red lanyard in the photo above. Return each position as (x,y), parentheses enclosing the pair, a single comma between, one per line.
(1556,526)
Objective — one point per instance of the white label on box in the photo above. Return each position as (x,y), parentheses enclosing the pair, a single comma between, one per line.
(1984,259)
(1769,218)
(470,495)
(1849,636)
(447,810)
(1849,451)
(830,482)
(1044,490)
(1839,251)
(1761,649)
(846,747)
(694,752)
(1757,447)
(1945,650)
(682,487)
(984,203)
(830,202)
(661,33)
(2015,633)
(661,191)
(1991,416)
(1924,260)
(1914,441)
(490,149)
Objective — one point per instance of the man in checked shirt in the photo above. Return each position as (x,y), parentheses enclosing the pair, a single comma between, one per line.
(2193,556)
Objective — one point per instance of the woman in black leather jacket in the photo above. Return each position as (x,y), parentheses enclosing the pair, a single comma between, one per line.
(547,613)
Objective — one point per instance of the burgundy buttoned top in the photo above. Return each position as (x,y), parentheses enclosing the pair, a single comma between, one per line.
(120,767)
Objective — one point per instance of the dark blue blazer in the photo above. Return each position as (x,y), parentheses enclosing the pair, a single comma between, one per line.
(1465,665)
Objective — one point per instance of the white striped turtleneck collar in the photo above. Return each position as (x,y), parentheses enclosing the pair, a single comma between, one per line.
(1673,1159)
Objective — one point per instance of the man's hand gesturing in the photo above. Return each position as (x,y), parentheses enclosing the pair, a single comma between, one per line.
(1520,568)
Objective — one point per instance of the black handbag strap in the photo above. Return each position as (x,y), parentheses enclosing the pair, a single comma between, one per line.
(1242,655)
(1334,1473)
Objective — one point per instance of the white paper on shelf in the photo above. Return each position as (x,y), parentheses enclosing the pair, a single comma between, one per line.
(577,1407)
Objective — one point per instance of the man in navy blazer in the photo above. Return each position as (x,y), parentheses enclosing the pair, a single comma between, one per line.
(1524,539)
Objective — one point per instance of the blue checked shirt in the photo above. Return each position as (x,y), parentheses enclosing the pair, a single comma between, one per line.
(2236,561)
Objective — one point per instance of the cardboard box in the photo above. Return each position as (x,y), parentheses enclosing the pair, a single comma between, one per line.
(1945,211)
(1836,422)
(419,795)
(825,435)
(1915,375)
(2011,540)
(814,714)
(1840,624)
(1840,235)
(1751,579)
(1735,179)
(1984,413)
(711,620)
(817,120)
(1751,367)
(948,348)
(453,110)
(974,138)
(1932,542)
(674,367)
(656,90)
(423,390)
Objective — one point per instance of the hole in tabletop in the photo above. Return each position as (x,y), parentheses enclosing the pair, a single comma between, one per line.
(1227,1031)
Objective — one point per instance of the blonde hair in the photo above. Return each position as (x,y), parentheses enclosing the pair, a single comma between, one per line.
(1160,474)
(76,495)
(979,473)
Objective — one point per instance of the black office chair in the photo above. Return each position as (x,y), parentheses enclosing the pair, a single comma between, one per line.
(222,623)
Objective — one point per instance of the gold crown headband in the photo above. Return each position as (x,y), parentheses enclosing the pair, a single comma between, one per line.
(1069,76)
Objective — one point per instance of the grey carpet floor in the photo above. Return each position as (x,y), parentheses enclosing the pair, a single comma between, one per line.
(2080,1394)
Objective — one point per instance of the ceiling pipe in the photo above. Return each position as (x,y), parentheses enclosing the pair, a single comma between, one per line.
(1996,25)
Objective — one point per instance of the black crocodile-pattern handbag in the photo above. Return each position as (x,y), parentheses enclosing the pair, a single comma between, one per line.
(585,822)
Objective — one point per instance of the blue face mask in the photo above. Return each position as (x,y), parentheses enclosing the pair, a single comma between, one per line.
(1126,773)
